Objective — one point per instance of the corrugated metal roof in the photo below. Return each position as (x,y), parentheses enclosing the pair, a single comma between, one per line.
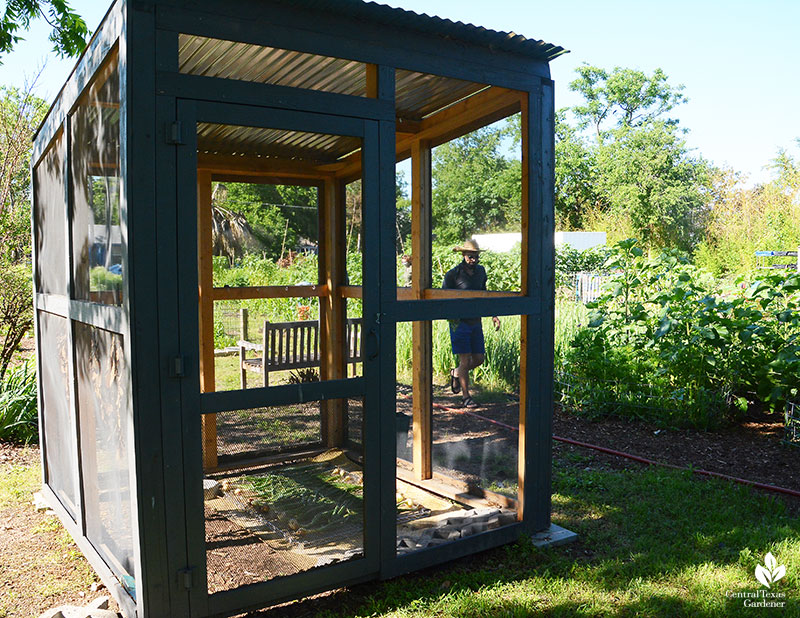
(431,24)
(417,94)
(199,55)
(243,141)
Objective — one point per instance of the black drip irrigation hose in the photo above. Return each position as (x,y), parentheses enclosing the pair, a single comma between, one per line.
(644,460)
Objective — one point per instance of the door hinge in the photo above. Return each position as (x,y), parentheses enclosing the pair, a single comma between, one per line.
(185,576)
(177,367)
(175,133)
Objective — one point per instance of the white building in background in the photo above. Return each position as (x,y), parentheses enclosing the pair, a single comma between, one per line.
(501,243)
(580,240)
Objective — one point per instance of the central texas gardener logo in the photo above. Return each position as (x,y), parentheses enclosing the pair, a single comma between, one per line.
(770,572)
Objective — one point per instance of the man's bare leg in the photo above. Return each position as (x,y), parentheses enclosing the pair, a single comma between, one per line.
(466,362)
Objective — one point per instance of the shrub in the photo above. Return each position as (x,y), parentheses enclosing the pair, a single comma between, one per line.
(18,415)
(16,310)
(663,342)
(102,279)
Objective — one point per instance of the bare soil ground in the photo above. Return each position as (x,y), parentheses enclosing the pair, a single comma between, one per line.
(41,568)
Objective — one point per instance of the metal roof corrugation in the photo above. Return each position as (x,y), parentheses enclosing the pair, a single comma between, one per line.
(417,94)
(258,142)
(431,24)
(256,63)
(420,94)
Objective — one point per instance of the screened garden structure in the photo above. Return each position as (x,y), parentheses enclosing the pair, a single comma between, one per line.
(196,488)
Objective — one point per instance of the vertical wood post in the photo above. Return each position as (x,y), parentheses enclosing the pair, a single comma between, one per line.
(206,279)
(524,320)
(332,307)
(242,349)
(422,367)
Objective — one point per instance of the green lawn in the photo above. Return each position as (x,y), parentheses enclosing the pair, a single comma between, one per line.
(653,542)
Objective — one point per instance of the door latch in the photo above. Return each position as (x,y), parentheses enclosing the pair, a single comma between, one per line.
(175,133)
(177,367)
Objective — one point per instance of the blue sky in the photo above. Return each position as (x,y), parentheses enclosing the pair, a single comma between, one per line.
(737,59)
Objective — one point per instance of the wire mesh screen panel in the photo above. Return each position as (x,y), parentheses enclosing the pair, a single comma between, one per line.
(60,454)
(263,432)
(296,511)
(104,411)
(96,232)
(50,220)
(457,456)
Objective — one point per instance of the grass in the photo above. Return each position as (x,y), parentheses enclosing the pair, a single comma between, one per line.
(17,483)
(653,542)
(46,568)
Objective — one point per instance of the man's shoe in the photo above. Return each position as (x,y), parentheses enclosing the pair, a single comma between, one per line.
(455,383)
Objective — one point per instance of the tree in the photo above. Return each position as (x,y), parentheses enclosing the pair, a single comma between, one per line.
(267,218)
(629,97)
(69,30)
(647,174)
(475,189)
(575,177)
(20,114)
(637,172)
(743,220)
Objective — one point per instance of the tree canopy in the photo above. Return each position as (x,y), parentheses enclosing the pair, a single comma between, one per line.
(624,164)
(475,188)
(68,33)
(623,97)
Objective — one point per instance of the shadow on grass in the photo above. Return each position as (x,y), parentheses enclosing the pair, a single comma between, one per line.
(653,542)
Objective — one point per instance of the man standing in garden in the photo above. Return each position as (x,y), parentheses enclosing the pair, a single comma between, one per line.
(466,334)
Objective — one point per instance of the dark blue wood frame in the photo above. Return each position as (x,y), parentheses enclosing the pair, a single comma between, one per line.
(159,320)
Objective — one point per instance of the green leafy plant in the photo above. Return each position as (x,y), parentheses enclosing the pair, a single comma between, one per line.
(18,412)
(665,343)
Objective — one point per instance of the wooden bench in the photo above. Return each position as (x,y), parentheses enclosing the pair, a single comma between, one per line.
(291,345)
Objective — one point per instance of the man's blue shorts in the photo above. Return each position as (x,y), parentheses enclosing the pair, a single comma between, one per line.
(467,338)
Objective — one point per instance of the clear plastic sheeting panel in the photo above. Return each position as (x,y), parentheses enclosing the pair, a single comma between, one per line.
(96,231)
(457,458)
(295,510)
(50,220)
(60,454)
(104,411)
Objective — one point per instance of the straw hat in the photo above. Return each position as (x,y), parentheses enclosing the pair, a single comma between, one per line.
(469,246)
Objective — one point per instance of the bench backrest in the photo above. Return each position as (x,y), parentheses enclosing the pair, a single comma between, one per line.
(295,345)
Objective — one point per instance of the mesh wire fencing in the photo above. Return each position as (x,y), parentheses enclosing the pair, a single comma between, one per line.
(583,287)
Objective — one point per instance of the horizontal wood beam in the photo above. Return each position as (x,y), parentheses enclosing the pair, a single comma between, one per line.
(257,166)
(270,291)
(437,294)
(350,291)
(259,179)
(479,110)
(407,125)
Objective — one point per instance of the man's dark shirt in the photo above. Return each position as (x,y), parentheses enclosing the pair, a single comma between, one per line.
(459,279)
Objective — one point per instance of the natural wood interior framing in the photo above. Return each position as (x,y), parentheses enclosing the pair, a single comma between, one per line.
(414,139)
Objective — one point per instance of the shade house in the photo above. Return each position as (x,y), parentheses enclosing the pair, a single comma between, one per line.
(240,316)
